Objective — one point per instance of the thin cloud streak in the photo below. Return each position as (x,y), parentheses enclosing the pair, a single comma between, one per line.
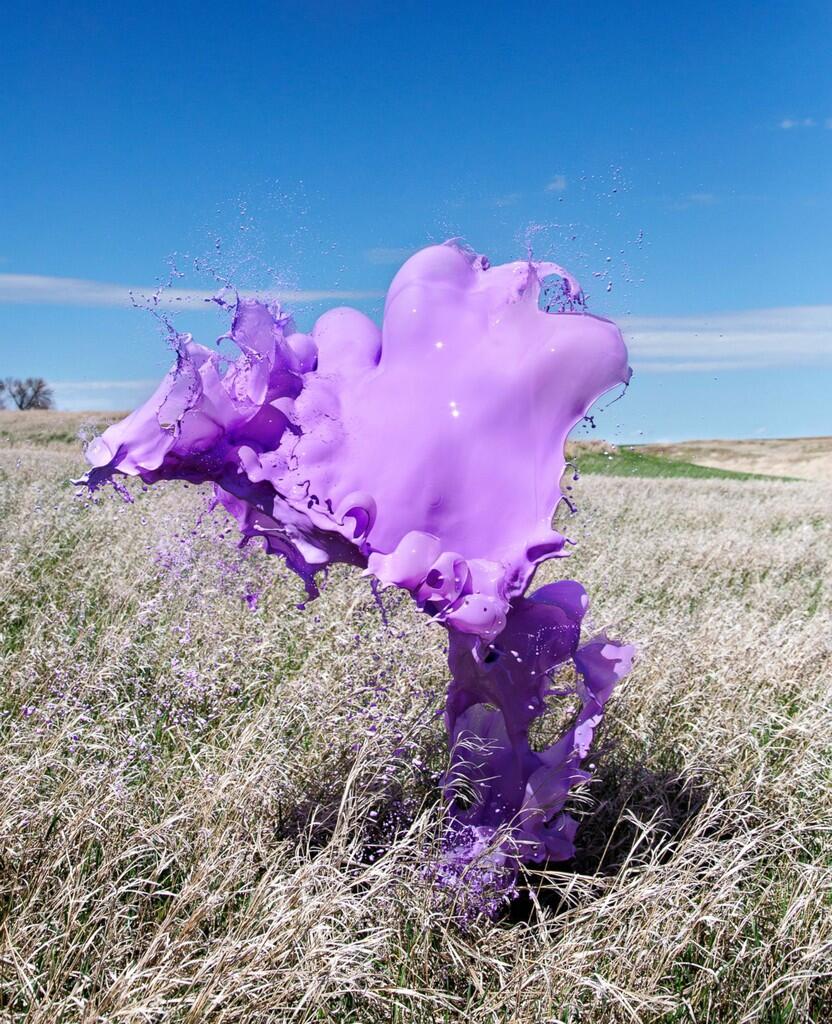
(747,339)
(797,336)
(788,123)
(102,395)
(557,184)
(39,290)
(69,386)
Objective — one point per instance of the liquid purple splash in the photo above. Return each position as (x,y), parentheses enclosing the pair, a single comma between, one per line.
(428,452)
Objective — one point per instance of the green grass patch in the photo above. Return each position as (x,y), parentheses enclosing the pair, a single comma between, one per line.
(631,462)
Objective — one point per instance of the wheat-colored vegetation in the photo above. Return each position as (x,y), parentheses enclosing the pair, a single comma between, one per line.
(808,458)
(216,806)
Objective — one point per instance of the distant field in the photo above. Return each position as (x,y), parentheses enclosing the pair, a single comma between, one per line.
(628,461)
(53,428)
(218,807)
(808,458)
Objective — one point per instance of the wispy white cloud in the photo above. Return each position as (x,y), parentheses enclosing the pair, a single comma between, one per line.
(98,395)
(386,256)
(71,386)
(747,339)
(788,123)
(39,290)
(557,184)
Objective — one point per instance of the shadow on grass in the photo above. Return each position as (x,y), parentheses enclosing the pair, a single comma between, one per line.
(639,814)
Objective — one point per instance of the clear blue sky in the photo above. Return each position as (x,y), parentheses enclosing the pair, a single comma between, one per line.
(682,152)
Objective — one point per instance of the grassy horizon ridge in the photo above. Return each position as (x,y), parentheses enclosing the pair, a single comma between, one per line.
(628,460)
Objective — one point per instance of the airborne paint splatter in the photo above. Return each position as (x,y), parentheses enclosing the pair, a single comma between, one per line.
(429,453)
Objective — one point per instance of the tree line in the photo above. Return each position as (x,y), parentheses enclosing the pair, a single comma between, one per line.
(31,393)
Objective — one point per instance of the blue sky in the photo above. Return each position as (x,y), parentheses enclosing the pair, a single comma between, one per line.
(678,158)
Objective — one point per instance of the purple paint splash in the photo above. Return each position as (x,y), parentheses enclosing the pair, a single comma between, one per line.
(429,453)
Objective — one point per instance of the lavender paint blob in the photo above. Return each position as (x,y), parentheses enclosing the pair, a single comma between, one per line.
(429,453)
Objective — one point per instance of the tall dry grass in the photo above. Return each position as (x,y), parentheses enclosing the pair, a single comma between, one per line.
(215,806)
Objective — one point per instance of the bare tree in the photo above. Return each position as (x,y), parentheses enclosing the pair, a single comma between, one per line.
(31,393)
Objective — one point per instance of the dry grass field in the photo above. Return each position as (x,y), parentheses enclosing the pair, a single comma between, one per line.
(216,806)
